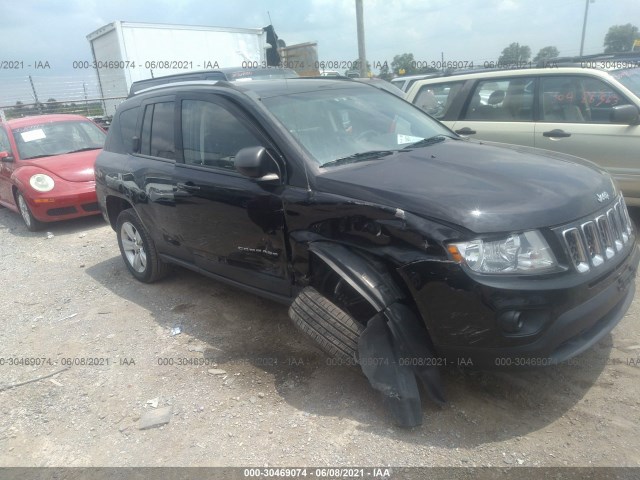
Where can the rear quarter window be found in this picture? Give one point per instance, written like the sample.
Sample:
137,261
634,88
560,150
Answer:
436,99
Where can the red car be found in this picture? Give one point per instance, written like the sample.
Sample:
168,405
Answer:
46,167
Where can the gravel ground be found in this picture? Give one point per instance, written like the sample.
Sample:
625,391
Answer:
239,386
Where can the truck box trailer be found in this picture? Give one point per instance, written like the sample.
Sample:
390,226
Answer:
124,52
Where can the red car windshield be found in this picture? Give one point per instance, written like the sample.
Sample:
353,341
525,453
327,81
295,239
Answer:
57,138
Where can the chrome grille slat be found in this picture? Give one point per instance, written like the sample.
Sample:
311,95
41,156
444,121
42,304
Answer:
576,249
605,235
592,239
622,219
598,239
615,228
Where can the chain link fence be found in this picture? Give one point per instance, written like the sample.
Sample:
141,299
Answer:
22,96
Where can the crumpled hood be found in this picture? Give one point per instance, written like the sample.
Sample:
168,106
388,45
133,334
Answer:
479,186
73,167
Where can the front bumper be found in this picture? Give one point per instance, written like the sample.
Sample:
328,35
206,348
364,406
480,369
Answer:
77,201
560,318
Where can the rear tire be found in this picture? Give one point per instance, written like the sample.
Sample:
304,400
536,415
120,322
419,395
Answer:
138,249
335,331
30,221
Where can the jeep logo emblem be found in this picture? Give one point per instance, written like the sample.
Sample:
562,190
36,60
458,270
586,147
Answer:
602,196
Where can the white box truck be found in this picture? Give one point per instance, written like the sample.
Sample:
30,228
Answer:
124,52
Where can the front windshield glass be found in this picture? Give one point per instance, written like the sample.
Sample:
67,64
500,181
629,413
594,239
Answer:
629,77
57,138
341,123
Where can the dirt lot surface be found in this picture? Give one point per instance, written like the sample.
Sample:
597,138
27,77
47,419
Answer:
241,387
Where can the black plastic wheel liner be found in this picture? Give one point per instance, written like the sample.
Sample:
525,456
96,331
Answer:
393,350
378,360
414,346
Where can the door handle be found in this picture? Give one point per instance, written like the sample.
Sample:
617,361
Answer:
557,133
465,131
188,187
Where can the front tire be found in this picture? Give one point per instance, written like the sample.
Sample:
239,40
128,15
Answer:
334,330
138,249
30,221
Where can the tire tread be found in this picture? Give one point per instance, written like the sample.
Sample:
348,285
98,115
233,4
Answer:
335,331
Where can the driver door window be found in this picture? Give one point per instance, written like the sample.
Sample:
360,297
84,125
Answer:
577,99
211,135
5,146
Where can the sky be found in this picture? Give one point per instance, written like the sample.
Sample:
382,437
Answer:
55,31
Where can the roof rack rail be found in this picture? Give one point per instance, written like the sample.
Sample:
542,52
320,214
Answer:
176,84
578,59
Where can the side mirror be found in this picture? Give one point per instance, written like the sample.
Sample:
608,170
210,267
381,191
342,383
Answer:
625,114
135,144
259,164
6,157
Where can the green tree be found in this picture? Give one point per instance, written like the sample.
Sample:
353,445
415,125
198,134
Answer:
385,73
620,38
515,53
403,64
52,105
546,53
427,70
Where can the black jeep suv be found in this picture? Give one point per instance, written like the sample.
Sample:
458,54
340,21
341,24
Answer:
399,246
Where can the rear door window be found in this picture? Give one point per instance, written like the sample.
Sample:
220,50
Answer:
157,139
502,100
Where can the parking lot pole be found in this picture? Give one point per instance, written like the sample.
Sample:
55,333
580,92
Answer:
362,56
584,23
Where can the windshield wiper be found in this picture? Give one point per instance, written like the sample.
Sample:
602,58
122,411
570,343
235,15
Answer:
359,157
43,155
425,142
84,149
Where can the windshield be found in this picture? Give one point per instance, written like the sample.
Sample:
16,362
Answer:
57,138
338,123
629,77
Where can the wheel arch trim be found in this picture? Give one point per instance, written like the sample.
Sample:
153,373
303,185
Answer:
372,281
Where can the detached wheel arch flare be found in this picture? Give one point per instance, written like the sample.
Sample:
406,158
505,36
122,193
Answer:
370,279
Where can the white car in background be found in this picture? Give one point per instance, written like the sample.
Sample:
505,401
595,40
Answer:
404,83
575,108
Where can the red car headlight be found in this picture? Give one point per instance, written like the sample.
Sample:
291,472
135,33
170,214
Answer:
41,182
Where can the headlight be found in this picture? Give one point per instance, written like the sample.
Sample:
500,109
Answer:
41,182
526,252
